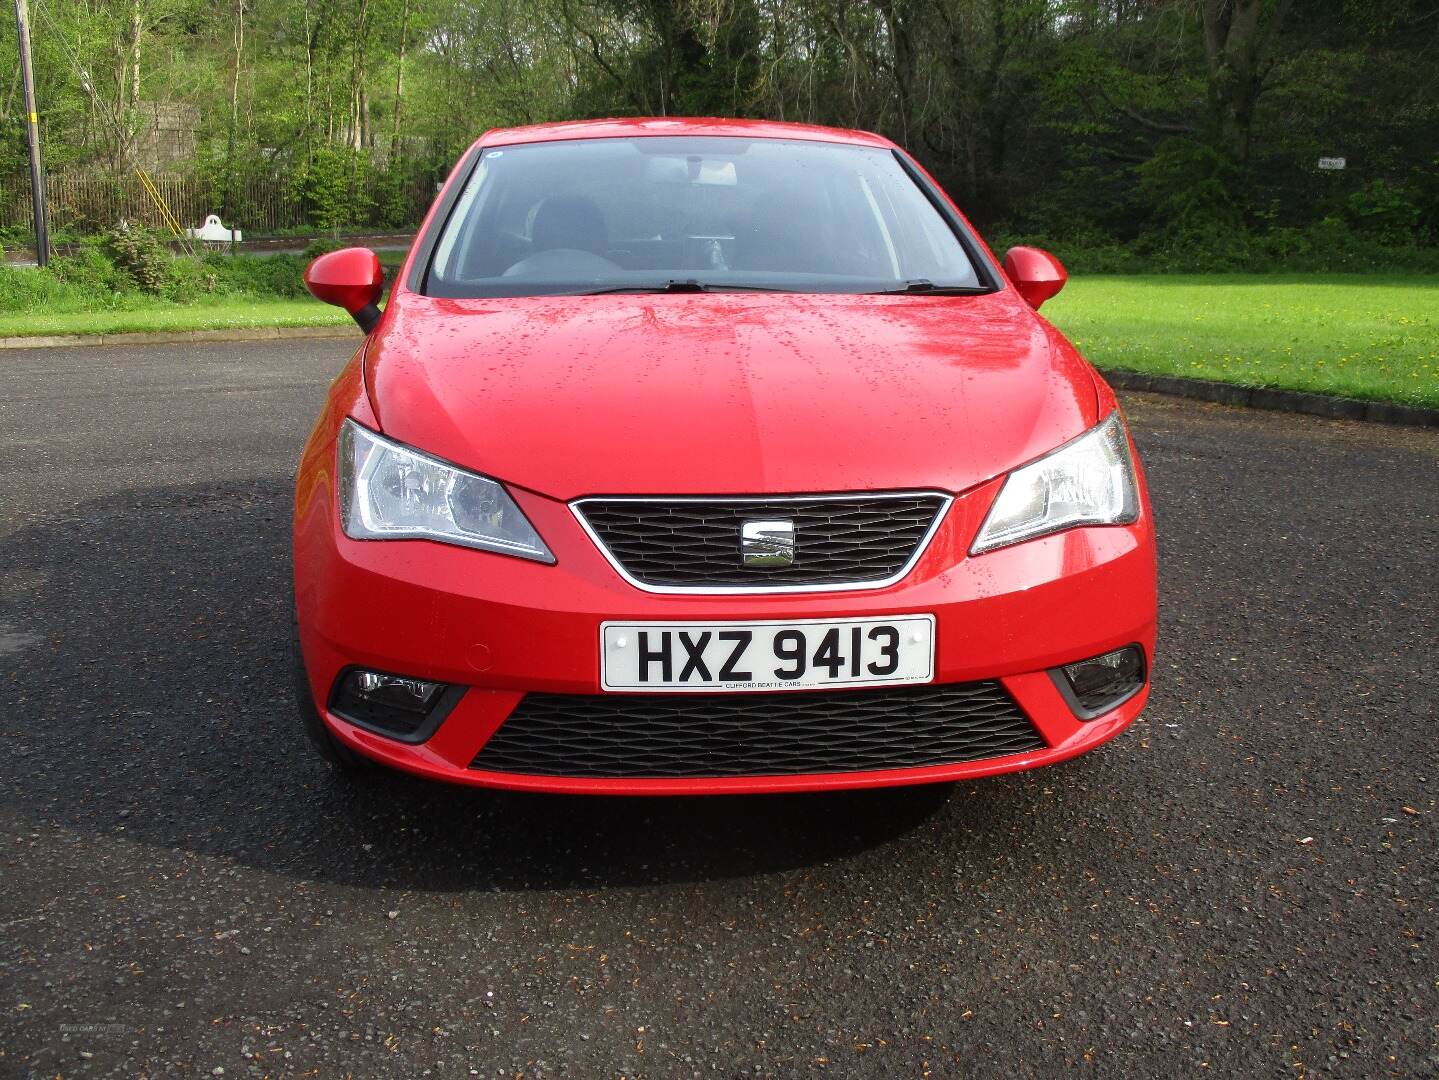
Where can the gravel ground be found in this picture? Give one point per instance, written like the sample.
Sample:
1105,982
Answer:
1242,885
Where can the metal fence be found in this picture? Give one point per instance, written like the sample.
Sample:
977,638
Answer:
258,205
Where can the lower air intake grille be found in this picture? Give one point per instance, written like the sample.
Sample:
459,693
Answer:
700,735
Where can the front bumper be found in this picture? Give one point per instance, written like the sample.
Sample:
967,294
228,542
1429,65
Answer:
503,627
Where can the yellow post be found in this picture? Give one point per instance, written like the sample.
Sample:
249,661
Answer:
165,214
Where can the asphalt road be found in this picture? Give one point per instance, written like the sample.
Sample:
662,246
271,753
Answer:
1245,884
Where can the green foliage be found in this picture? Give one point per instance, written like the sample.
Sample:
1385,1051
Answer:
268,276
31,290
1424,188
323,245
91,270
1384,210
1328,246
393,201
1190,185
92,279
328,190
189,280
23,235
1081,252
1127,124
139,253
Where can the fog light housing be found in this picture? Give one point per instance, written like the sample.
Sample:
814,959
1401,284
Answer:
1094,686
399,706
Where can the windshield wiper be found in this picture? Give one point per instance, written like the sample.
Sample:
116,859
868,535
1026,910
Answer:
680,285
929,288
692,285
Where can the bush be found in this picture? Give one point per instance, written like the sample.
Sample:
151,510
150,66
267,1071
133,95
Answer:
91,270
189,279
30,289
322,245
1328,246
1207,248
1092,251
1384,210
1189,185
326,187
394,206
263,275
138,252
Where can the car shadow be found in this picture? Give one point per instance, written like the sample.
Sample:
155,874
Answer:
144,690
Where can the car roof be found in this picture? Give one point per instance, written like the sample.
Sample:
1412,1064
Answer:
677,125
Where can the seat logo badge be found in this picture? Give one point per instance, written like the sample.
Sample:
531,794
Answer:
767,543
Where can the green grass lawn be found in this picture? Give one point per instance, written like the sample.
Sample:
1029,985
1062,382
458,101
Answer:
1351,335
156,315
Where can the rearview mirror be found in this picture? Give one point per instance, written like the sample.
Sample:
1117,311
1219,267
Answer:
1037,274
350,278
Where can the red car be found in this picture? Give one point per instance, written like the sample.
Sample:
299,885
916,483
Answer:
713,456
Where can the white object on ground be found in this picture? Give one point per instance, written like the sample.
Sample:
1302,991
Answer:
213,232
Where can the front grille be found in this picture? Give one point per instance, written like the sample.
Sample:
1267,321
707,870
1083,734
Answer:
695,543
757,734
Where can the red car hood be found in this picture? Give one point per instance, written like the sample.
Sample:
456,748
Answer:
727,393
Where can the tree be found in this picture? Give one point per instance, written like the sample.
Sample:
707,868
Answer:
1239,40
1111,117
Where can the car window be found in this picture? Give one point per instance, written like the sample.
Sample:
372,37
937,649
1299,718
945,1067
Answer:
598,214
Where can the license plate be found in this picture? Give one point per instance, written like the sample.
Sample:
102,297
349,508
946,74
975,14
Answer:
803,654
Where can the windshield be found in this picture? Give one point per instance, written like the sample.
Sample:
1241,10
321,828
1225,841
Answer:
597,215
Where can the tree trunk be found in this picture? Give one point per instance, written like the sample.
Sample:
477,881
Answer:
127,87
235,75
309,82
396,154
136,28
1236,41
227,207
359,106
896,19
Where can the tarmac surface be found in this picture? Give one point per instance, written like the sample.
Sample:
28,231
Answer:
1244,884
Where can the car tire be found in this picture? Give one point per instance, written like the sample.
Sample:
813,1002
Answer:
335,753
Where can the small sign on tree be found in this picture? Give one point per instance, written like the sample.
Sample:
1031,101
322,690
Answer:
1332,164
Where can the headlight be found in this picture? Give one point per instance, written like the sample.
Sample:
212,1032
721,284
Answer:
1087,481
390,492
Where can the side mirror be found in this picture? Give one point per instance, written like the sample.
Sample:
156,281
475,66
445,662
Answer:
350,278
1037,274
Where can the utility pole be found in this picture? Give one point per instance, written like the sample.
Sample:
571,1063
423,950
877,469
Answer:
32,136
